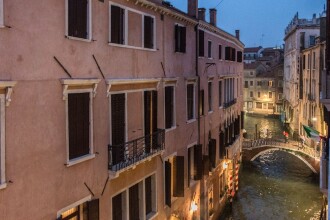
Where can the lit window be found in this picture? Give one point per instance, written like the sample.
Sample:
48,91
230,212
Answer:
85,209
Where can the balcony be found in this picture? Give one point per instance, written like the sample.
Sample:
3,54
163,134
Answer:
129,154
230,103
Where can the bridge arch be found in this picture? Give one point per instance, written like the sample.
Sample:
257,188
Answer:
290,152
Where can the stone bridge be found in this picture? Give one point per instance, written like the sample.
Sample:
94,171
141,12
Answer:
254,148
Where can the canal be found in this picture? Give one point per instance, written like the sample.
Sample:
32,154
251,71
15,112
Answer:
277,185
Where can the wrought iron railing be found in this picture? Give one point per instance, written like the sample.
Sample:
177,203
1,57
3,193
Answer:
129,153
230,103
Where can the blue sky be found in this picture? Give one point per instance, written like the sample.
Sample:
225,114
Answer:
261,22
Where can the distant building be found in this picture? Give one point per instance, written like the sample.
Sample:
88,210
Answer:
299,34
251,54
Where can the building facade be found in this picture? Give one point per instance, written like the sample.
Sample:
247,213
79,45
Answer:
117,110
299,34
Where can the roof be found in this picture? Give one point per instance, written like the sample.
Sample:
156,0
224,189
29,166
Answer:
252,49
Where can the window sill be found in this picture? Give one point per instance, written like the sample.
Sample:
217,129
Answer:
221,107
80,160
131,47
170,129
79,39
3,185
210,58
210,112
191,121
179,52
152,215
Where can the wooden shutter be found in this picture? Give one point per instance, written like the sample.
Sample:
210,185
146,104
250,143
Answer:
221,145
206,164
168,183
117,209
201,43
177,38
233,54
117,25
198,163
148,195
148,32
220,52
77,18
201,102
227,53
93,209
118,126
154,111
169,107
212,151
134,202
242,120
78,112
178,176
183,39
190,101
147,119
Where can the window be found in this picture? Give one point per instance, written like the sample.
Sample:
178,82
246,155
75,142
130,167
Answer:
270,83
251,83
258,83
270,105
209,49
1,14
246,84
227,53
270,95
195,164
117,21
222,184
209,89
233,54
239,56
251,94
280,72
174,178
280,83
201,43
304,62
148,32
258,94
169,107
190,101
259,105
308,61
210,200
280,96
312,40
79,118
201,102
314,61
85,209
220,94
138,201
79,19
2,142
180,39
220,52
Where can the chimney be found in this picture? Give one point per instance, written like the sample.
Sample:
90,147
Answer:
193,8
213,16
201,14
237,34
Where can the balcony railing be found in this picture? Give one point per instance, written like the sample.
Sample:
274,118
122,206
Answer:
127,154
230,103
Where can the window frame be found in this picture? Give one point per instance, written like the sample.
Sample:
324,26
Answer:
2,15
125,190
182,47
89,22
3,183
73,205
194,102
69,86
174,107
125,44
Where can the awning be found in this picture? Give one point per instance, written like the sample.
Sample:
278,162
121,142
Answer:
311,133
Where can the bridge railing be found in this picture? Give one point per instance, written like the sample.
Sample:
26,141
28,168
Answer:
280,142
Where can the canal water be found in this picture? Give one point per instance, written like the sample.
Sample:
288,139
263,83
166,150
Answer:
277,185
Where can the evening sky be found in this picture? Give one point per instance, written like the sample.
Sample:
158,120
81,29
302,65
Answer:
261,22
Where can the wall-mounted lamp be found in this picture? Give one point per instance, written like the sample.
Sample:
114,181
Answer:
225,165
193,206
314,119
